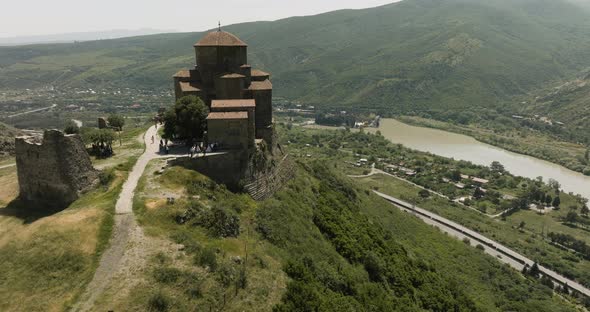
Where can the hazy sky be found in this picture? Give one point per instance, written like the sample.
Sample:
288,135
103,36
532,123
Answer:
41,17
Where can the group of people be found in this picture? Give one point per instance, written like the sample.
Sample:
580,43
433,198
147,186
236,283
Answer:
196,149
201,147
102,150
164,149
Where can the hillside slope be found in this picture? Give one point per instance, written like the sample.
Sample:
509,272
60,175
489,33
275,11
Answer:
323,243
567,102
411,55
7,135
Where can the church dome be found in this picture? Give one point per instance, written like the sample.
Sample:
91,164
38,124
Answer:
220,38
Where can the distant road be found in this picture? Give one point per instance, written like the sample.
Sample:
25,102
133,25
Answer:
503,253
33,111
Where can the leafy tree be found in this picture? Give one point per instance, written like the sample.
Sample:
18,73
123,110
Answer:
101,140
546,280
585,210
534,271
456,175
497,166
565,289
191,114
572,217
103,137
71,128
554,184
478,193
556,201
548,199
116,121
424,193
169,124
521,225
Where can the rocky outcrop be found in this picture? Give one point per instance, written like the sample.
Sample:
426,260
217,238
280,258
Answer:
54,171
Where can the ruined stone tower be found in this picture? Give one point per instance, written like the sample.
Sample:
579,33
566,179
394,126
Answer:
55,171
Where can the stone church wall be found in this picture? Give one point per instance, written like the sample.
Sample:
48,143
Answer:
227,168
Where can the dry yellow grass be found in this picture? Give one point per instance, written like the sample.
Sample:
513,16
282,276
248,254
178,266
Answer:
48,258
8,185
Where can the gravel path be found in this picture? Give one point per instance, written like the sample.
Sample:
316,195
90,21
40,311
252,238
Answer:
125,250
125,202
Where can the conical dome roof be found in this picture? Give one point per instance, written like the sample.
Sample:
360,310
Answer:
220,38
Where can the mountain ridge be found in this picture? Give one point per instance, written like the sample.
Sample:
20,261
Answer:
407,56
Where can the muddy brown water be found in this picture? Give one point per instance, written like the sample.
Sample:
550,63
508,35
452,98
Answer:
464,147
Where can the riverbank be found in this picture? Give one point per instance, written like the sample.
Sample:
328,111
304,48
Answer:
463,147
522,141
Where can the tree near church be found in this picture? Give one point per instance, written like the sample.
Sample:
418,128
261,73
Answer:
169,120
187,119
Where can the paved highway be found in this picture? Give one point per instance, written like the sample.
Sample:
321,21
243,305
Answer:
491,247
33,111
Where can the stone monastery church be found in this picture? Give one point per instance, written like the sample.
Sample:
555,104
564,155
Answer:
239,97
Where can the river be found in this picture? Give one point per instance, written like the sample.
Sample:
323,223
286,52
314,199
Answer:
464,147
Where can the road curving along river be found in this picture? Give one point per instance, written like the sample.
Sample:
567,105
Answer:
463,147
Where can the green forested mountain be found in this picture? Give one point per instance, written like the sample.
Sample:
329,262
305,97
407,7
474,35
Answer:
566,101
410,55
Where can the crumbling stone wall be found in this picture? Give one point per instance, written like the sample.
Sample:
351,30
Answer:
102,123
55,171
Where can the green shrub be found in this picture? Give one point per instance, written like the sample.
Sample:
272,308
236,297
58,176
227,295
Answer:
167,275
105,177
222,223
194,291
226,275
191,245
207,258
242,279
159,302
